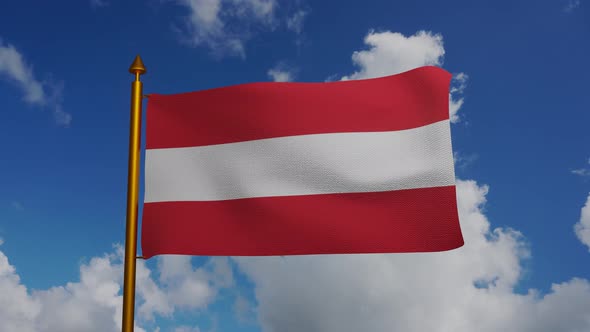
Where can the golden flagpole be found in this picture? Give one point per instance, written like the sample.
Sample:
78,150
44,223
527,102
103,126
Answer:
137,68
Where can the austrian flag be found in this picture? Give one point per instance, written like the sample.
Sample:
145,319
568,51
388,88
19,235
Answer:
257,169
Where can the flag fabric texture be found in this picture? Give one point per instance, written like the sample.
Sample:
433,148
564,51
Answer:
257,169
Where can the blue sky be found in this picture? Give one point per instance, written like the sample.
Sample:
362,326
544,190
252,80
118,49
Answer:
520,105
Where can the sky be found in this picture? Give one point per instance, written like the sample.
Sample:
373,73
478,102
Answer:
519,103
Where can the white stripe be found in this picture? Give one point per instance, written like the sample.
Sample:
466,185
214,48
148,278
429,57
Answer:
303,165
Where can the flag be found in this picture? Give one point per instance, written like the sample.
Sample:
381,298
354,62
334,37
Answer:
362,166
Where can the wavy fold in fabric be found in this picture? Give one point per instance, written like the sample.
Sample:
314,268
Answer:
261,169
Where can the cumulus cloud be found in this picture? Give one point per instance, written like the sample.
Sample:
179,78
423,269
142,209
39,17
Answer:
471,288
94,302
17,308
467,289
185,287
223,25
582,228
392,53
14,68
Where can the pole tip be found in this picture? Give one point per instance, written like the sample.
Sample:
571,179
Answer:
137,66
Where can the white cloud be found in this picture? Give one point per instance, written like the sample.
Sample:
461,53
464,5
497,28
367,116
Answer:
295,21
94,302
279,75
244,310
583,171
582,228
392,53
15,69
458,85
13,66
262,9
155,299
282,72
571,6
471,288
61,118
17,309
187,287
223,25
467,289
462,160
221,272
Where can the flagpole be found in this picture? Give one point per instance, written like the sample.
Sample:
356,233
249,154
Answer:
137,68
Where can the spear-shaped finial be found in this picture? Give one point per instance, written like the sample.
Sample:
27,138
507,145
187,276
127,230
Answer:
137,66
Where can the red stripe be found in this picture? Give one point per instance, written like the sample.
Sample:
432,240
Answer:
265,110
415,220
